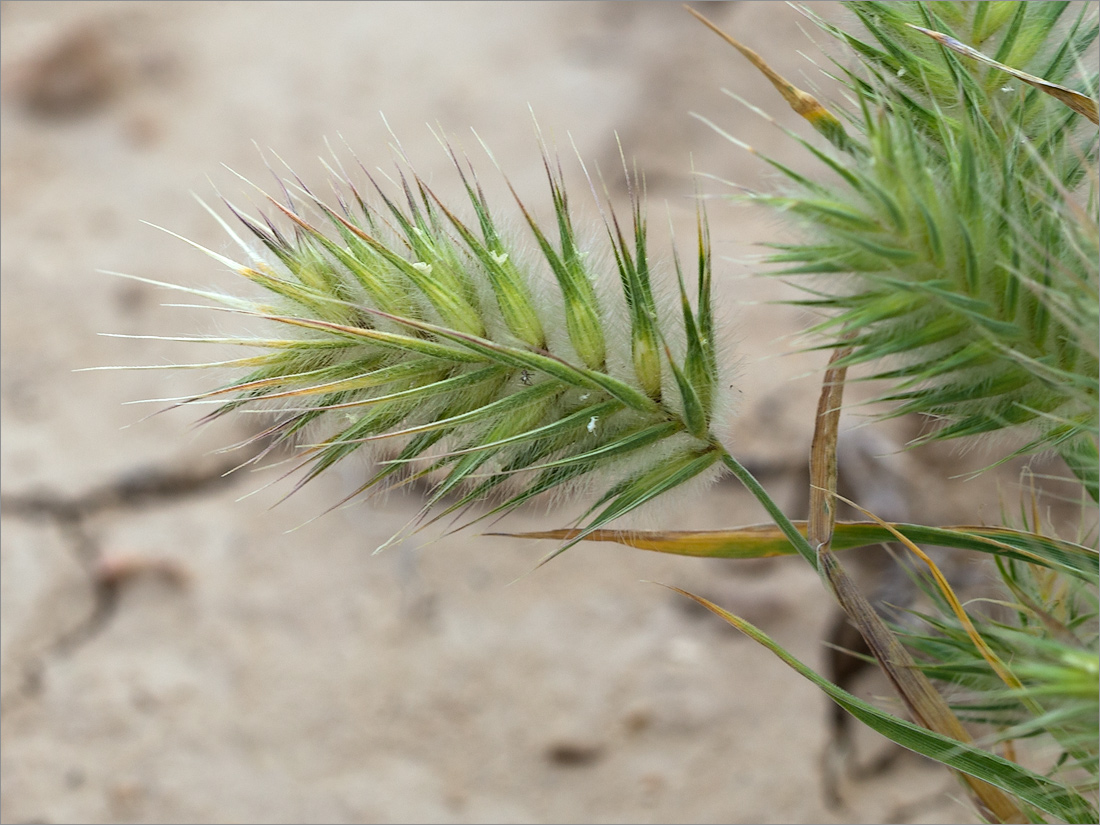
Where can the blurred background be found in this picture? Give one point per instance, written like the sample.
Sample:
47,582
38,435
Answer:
172,651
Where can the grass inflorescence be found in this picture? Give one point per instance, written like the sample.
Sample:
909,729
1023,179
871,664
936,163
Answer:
960,236
489,361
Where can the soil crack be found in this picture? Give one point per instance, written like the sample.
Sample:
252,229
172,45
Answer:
70,514
148,485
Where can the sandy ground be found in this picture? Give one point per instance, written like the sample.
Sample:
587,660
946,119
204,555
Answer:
173,654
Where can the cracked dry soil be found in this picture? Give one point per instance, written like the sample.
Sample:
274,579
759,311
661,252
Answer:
105,575
174,652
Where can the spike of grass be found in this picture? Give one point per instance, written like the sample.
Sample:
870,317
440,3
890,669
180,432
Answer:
417,331
932,210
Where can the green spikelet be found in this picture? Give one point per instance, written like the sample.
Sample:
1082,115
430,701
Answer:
582,307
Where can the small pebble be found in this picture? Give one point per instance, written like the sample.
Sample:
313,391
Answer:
573,752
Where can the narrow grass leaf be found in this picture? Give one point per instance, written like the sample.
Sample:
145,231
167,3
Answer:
759,541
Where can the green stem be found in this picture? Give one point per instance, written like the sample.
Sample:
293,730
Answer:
781,521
